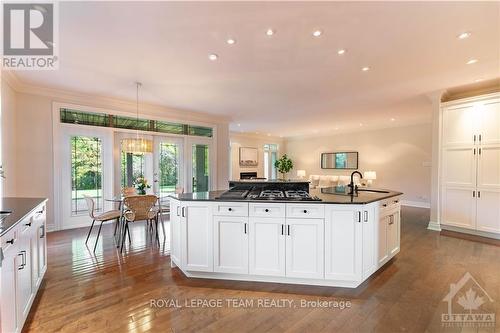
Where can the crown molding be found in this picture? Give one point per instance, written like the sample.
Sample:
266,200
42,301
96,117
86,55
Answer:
61,95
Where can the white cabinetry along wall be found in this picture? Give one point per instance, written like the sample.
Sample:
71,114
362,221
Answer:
319,244
470,165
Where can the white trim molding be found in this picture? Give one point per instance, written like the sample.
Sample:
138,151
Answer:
435,226
418,204
471,232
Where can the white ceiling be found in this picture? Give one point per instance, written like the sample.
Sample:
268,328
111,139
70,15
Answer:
287,84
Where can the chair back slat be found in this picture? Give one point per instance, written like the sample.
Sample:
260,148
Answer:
139,207
128,191
90,205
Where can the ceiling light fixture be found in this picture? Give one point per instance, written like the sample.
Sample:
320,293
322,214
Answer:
231,41
464,35
472,61
341,51
317,33
270,32
392,119
360,124
478,80
365,69
238,125
137,145
213,56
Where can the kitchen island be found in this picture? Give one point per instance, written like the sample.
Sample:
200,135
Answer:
23,258
330,239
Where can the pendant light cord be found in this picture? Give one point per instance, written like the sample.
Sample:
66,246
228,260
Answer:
138,84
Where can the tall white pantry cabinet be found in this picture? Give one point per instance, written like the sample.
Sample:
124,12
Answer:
470,165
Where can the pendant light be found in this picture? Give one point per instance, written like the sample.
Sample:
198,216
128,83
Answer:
137,145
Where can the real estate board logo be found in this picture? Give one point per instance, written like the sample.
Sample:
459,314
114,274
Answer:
469,305
29,36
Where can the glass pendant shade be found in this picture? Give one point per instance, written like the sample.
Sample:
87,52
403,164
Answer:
137,146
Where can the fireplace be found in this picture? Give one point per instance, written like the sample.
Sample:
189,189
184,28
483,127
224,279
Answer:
248,175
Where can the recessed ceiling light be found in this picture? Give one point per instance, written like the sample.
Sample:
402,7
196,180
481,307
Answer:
341,51
365,69
238,125
478,80
281,136
213,56
336,128
393,119
268,134
464,35
270,32
472,61
360,124
317,33
231,41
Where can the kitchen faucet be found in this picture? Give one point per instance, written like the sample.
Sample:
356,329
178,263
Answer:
354,188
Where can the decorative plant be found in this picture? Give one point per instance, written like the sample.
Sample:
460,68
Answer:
2,174
141,184
283,165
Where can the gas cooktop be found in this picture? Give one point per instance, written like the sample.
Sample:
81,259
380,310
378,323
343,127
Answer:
269,194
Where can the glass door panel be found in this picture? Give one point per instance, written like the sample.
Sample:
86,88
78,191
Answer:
200,167
168,176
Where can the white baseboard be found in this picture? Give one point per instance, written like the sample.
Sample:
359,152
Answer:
418,204
471,232
435,226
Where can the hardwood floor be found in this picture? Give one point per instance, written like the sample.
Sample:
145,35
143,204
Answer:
109,292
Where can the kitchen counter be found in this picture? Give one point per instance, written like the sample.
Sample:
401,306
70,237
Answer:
20,207
361,198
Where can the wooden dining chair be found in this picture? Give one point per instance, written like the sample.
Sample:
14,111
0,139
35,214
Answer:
139,208
106,216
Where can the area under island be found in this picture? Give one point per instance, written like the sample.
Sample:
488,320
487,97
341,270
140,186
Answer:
283,232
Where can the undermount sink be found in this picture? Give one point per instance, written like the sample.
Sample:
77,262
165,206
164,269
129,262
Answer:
370,190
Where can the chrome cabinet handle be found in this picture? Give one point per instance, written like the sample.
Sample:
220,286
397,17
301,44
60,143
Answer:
282,229
245,228
366,215
178,207
183,211
288,230
359,216
43,231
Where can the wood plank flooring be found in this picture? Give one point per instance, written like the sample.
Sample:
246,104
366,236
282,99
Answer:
109,292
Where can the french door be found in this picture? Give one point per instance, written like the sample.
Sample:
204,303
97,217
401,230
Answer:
200,168
86,166
168,156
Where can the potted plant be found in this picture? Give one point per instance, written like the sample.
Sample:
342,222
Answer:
2,174
283,165
141,184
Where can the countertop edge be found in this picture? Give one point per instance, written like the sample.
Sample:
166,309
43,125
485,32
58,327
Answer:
13,225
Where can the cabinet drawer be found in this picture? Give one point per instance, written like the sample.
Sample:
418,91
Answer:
267,209
305,211
390,203
231,209
9,239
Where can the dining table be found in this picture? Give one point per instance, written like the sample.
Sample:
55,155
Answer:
163,200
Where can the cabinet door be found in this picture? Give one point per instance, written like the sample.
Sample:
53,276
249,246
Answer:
24,275
305,248
488,172
175,231
393,225
459,125
267,246
343,237
196,235
459,166
383,252
42,250
489,113
231,244
459,207
369,233
488,211
8,304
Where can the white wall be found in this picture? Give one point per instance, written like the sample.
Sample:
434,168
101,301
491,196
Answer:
8,140
401,157
241,140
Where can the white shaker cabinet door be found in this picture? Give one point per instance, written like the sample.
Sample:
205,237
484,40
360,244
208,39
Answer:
488,211
267,246
197,237
231,244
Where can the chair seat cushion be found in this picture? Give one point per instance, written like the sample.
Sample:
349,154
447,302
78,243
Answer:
109,215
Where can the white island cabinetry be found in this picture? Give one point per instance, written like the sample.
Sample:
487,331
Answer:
301,243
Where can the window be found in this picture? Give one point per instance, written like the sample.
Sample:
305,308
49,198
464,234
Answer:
169,155
200,169
86,173
69,116
132,166
270,157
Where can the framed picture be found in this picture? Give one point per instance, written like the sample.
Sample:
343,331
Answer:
249,156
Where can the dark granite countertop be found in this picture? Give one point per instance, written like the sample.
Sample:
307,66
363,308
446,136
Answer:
360,199
20,207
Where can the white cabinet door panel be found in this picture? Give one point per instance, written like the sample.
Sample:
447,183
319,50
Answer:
343,237
231,244
488,211
488,175
459,207
382,240
267,246
304,248
459,167
393,230
369,240
196,234
489,113
10,264
459,125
